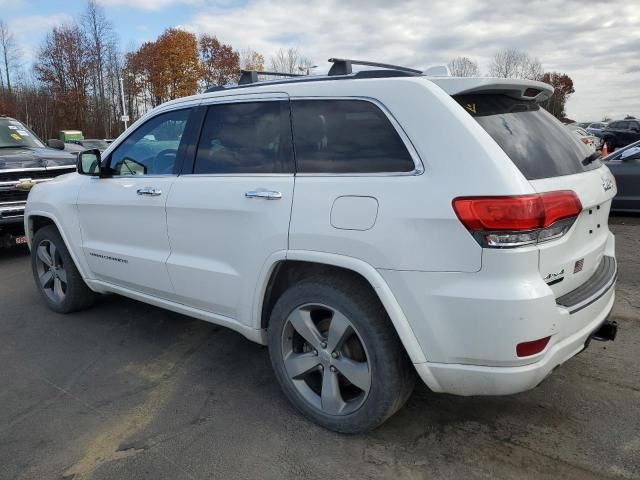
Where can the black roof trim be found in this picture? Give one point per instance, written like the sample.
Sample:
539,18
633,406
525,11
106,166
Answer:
251,76
340,70
343,66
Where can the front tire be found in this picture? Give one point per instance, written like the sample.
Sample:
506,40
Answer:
336,354
56,275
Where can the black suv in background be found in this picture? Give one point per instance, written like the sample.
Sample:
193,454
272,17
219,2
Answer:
24,161
621,133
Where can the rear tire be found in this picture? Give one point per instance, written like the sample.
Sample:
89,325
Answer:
56,275
336,354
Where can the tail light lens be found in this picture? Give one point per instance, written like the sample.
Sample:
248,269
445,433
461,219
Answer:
513,221
585,141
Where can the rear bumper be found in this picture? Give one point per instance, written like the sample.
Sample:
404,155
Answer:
469,324
480,380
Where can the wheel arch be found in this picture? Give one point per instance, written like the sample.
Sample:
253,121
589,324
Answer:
35,220
300,264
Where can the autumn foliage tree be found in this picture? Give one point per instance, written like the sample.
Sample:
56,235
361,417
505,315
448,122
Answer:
219,62
563,88
163,70
251,60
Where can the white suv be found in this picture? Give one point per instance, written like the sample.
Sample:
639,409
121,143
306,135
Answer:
365,226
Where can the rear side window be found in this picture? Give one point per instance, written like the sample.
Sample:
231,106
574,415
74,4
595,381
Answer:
346,136
252,137
537,143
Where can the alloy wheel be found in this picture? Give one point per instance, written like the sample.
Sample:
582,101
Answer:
326,359
52,274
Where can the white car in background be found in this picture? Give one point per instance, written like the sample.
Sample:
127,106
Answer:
591,141
365,226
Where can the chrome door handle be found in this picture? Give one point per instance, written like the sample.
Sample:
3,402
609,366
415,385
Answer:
266,194
149,191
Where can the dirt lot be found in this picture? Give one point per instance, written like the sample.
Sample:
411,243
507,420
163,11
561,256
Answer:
129,391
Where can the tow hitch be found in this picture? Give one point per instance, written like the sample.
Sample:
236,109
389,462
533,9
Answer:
607,331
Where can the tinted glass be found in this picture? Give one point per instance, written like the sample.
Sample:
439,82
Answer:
346,136
253,137
618,125
537,143
152,148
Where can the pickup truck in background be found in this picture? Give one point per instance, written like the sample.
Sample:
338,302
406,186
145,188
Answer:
24,161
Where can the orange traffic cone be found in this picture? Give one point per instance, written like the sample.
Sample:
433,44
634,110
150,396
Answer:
605,150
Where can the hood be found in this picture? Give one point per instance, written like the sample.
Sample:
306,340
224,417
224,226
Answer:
11,158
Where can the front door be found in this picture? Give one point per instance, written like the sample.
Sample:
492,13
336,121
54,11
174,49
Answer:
122,217
230,212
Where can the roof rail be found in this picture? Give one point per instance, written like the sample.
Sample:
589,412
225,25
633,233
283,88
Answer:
342,66
251,76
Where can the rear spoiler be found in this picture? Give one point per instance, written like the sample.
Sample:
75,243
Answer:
520,89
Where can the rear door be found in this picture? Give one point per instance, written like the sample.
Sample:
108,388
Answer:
553,159
229,211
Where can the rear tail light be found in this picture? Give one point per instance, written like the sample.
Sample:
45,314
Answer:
585,141
526,349
514,221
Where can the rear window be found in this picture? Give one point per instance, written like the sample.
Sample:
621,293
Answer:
537,143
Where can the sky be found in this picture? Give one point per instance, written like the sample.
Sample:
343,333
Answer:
597,43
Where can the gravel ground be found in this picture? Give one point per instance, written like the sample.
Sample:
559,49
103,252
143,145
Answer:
129,391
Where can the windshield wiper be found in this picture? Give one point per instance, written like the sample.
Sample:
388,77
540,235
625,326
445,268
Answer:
591,158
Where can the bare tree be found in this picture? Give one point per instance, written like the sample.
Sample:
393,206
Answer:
102,44
514,63
305,64
286,61
9,51
463,67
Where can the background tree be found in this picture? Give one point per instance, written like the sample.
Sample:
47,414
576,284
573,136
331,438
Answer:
251,60
174,69
285,61
102,45
514,63
9,52
63,66
563,88
219,63
463,67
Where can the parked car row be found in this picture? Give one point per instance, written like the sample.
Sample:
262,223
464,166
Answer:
615,134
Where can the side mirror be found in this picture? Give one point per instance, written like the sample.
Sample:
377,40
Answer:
89,162
55,143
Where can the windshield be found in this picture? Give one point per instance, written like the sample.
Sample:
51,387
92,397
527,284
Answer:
538,144
15,134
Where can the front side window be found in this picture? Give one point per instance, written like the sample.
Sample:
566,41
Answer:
245,138
152,149
346,136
